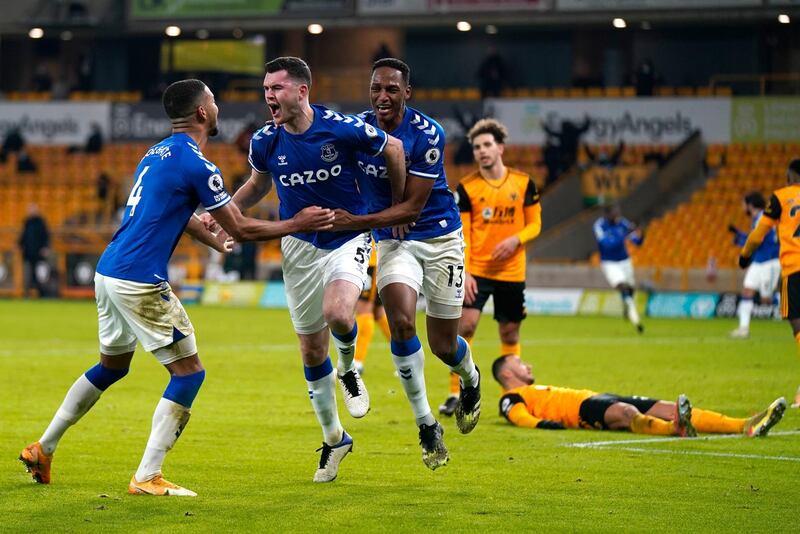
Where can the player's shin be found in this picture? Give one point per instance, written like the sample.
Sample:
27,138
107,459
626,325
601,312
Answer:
630,307
409,359
713,422
345,348
646,424
169,419
744,311
455,379
322,392
463,364
83,394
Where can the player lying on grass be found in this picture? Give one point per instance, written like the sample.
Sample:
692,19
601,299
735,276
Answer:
551,407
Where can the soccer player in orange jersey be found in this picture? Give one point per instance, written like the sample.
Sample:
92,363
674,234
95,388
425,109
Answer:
550,407
783,213
500,212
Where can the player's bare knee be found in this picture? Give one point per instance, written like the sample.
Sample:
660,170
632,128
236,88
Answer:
402,327
341,323
185,366
509,333
628,412
467,329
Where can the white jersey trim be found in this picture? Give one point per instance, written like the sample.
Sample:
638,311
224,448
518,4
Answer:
423,174
219,204
383,146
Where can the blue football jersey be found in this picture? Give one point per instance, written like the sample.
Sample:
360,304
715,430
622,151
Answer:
611,237
423,142
172,179
317,167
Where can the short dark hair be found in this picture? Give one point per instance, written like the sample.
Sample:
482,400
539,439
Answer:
755,199
296,68
794,166
490,126
181,98
498,364
396,64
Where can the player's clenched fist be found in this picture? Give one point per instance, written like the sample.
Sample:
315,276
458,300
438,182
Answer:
745,261
313,219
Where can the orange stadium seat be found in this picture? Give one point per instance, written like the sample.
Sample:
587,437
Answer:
739,168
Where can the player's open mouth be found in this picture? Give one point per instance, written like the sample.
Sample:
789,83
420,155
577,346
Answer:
383,109
275,109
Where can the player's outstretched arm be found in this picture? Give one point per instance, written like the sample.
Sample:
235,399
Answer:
253,190
520,416
218,241
417,192
754,241
241,228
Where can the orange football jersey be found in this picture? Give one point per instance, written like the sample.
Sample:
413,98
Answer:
783,211
495,211
545,402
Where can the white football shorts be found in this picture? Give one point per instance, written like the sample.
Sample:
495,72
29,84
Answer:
308,269
433,267
618,272
127,311
763,277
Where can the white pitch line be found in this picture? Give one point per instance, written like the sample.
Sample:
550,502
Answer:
614,444
601,444
708,453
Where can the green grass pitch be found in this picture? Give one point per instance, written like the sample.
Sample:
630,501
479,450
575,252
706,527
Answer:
249,448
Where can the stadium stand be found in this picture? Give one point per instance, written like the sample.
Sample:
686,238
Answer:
697,230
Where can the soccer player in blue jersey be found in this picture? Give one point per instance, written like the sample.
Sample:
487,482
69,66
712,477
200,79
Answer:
134,298
763,274
426,258
612,231
310,153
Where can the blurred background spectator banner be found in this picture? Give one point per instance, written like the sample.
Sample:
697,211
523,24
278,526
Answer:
547,301
635,121
144,121
51,123
765,119
233,294
596,5
601,184
391,7
223,55
694,305
163,9
149,9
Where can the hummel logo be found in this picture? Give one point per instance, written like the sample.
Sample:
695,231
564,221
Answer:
282,160
405,374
